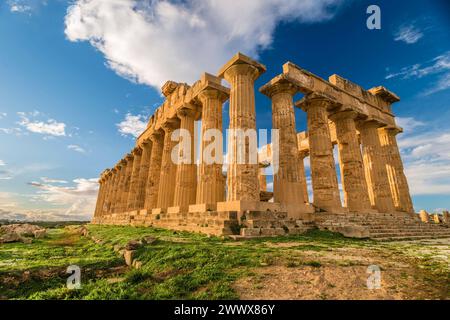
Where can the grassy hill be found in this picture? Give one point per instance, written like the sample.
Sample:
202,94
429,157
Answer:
181,265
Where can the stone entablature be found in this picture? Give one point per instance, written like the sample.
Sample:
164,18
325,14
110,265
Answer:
147,186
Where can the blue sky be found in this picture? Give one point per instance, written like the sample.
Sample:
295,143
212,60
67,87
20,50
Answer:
78,80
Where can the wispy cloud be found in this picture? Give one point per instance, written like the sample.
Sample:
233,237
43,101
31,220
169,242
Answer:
438,66
136,36
25,6
76,148
69,202
426,156
48,180
3,115
50,127
132,125
408,33
2,163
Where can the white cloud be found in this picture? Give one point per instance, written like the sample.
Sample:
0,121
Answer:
2,163
14,7
439,66
426,156
75,201
76,148
408,124
50,128
151,42
409,34
25,6
15,131
3,115
132,125
48,180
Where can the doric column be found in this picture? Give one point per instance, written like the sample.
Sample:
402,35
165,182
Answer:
168,167
323,169
100,196
186,174
143,174
132,194
287,187
211,183
375,168
241,72
119,186
154,172
354,183
126,182
302,174
107,186
111,185
395,171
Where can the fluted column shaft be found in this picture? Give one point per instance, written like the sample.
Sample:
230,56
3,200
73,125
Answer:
323,169
375,169
154,172
287,187
302,174
104,207
242,178
186,174
394,165
111,186
132,194
119,187
143,174
354,183
168,168
100,198
211,183
126,183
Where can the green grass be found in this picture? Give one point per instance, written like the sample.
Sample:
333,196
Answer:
179,265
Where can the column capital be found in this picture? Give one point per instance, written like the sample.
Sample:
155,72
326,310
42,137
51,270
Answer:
188,110
241,64
156,136
170,125
317,100
143,143
214,93
129,157
369,123
343,114
278,85
136,151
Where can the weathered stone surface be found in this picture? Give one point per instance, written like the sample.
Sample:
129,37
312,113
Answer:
376,174
21,233
128,255
133,245
356,196
287,183
424,216
242,179
323,170
147,188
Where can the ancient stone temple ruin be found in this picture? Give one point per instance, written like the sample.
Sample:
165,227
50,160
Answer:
148,188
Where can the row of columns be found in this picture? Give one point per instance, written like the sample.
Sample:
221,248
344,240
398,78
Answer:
372,172
148,178
371,169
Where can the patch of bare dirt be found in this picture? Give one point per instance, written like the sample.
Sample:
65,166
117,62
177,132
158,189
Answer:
329,282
